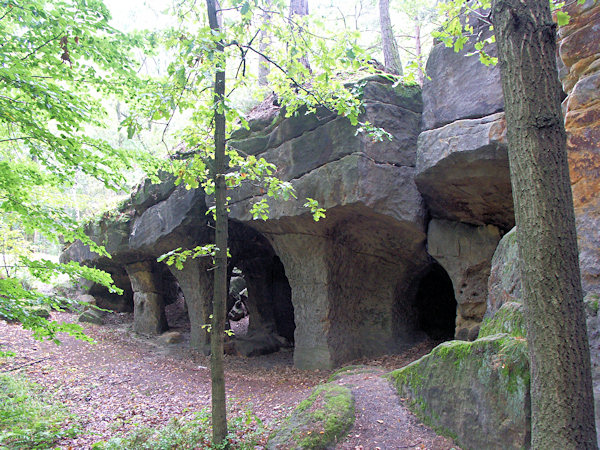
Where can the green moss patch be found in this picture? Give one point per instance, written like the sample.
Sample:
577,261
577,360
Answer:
319,421
509,319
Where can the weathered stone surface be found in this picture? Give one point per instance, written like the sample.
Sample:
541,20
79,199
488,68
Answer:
197,285
578,49
463,174
459,87
149,307
86,299
472,392
257,343
148,193
171,223
504,283
352,180
465,251
170,337
92,316
579,39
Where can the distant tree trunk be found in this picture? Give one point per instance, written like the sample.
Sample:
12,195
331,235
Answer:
562,403
264,41
419,54
391,57
300,8
217,373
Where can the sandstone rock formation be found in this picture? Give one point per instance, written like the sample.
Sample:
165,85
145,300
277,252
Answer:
357,283
580,75
411,226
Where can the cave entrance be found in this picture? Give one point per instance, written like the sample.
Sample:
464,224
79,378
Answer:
237,303
283,309
270,321
435,304
260,298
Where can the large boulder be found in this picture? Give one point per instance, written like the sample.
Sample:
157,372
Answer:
476,392
459,86
463,173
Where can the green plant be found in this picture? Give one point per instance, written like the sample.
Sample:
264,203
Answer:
28,418
245,432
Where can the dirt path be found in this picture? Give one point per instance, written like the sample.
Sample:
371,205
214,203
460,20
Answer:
382,421
124,381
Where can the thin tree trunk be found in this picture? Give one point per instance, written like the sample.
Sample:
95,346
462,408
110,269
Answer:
217,373
391,57
562,404
264,41
419,53
299,8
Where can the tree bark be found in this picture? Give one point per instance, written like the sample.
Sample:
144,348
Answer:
419,53
391,57
264,41
299,8
217,373
562,404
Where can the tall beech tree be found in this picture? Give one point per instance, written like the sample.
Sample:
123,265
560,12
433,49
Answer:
562,403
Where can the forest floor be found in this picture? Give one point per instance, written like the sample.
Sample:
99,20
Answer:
124,380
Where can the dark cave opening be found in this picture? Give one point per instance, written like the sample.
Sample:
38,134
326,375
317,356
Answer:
436,304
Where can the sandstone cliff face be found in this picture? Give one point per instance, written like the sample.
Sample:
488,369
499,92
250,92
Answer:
580,75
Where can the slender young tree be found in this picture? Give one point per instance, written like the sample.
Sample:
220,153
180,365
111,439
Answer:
391,56
562,405
217,372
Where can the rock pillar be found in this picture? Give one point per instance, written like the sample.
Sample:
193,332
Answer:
307,274
149,309
196,282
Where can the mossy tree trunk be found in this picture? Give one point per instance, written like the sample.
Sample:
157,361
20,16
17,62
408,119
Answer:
561,384
217,373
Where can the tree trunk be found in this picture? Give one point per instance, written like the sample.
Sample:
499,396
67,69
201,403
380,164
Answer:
391,57
299,8
419,54
217,373
263,44
562,404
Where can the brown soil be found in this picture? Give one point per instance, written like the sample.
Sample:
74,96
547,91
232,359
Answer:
125,380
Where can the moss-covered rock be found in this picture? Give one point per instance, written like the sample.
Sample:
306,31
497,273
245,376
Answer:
475,392
318,422
349,370
92,316
508,319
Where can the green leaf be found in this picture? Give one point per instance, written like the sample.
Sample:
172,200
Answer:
562,18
